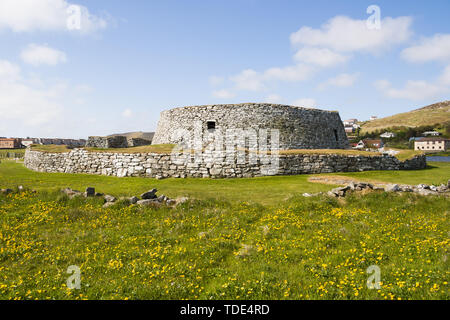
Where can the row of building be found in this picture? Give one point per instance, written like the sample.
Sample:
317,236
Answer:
430,144
17,143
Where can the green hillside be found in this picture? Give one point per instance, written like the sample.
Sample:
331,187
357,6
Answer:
438,113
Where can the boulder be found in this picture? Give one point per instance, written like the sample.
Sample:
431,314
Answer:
109,198
340,192
149,203
151,194
133,200
332,194
90,192
392,188
162,198
425,192
406,189
171,202
181,200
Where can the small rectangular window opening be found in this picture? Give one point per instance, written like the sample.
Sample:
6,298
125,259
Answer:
211,125
336,135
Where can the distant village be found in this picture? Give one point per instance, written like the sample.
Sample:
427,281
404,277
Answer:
428,141
18,143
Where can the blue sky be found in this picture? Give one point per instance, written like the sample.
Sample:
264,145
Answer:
131,60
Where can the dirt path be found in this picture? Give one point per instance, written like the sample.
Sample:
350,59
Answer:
340,180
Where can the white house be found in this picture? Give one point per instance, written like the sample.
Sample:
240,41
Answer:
431,133
432,144
387,135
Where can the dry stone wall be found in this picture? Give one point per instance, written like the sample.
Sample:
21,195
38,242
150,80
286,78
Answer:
165,166
299,128
107,142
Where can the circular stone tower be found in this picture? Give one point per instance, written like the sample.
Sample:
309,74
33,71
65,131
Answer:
299,128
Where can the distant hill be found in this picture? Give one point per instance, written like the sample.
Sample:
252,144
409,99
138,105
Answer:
137,134
438,113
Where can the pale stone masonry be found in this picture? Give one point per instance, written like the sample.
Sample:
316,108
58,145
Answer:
432,144
299,128
163,166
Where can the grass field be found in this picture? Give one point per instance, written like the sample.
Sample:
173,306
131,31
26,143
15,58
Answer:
264,190
12,153
241,239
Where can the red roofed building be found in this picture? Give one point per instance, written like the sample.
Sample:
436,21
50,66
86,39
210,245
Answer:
12,143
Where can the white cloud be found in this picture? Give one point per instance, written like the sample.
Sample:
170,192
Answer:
322,48
21,103
252,80
413,90
294,73
127,113
305,102
41,54
322,57
45,15
445,77
273,98
344,34
344,80
248,80
8,72
223,94
436,48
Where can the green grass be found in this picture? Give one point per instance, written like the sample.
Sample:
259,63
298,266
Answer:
242,239
302,249
17,153
436,173
403,154
264,190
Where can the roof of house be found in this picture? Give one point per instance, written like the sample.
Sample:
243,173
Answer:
432,139
372,141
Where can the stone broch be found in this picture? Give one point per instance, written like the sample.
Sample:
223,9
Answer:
299,128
